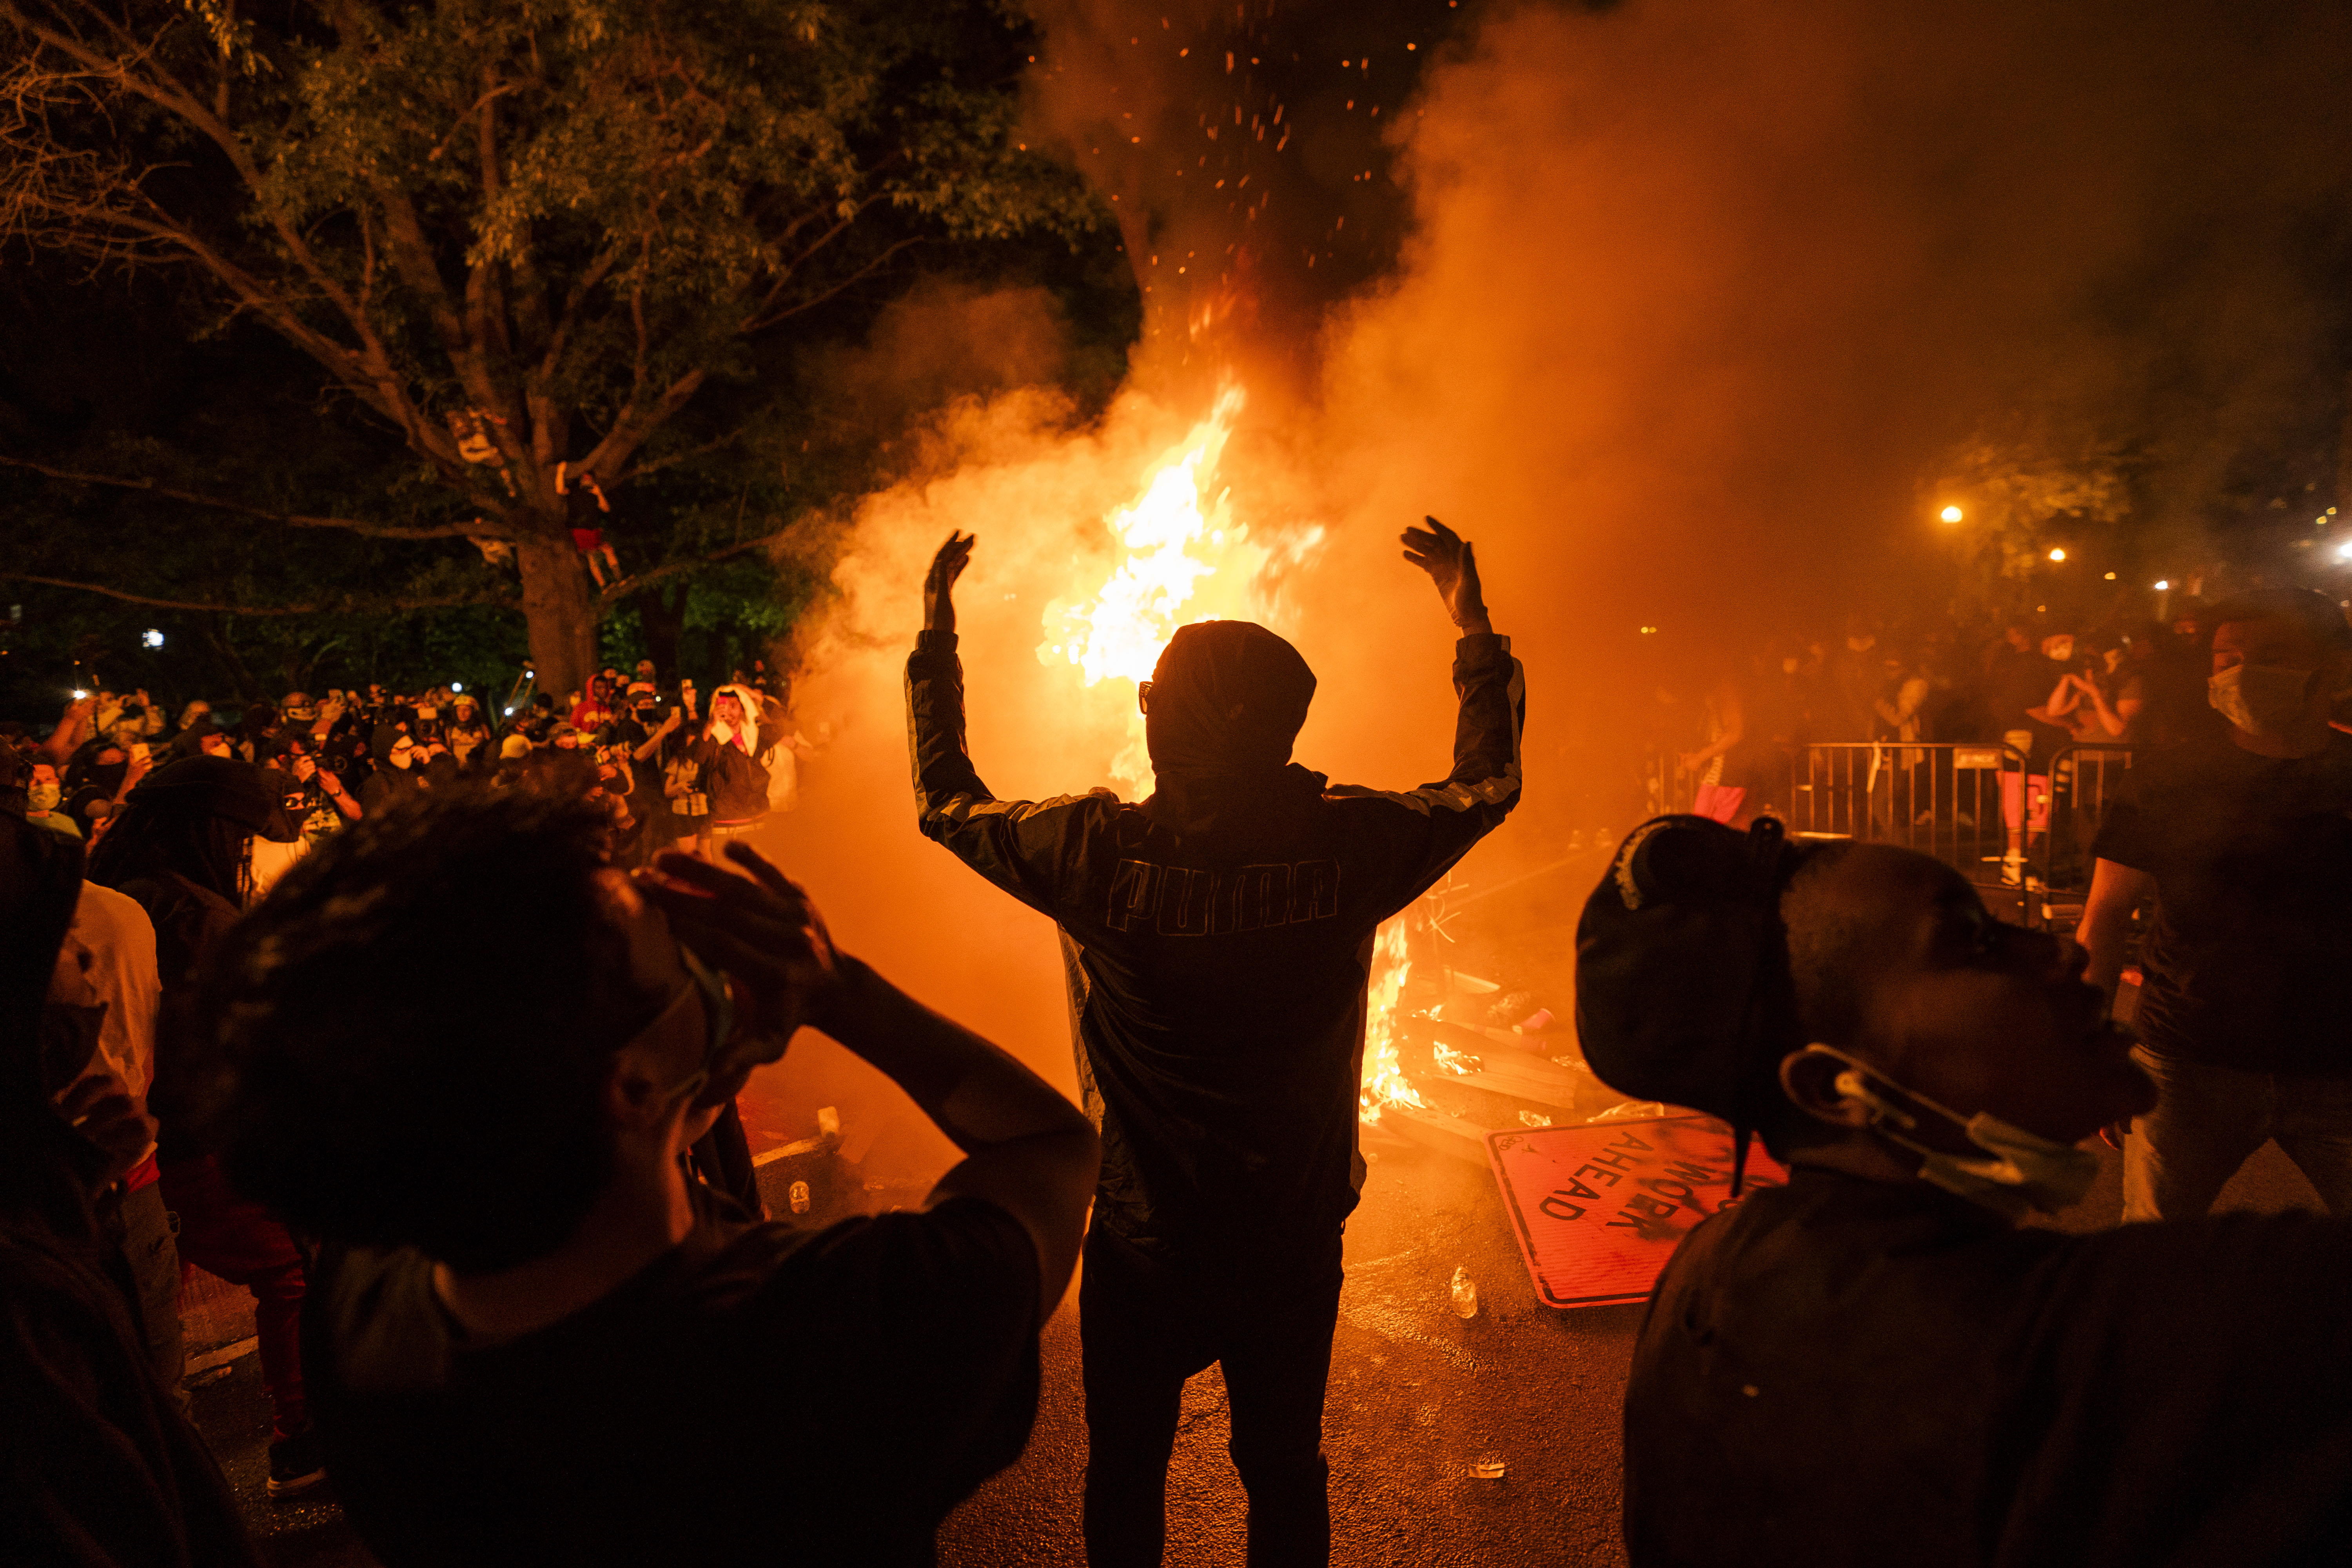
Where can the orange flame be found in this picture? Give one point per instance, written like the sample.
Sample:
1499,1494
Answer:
1181,556
1384,1083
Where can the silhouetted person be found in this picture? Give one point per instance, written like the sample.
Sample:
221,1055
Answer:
2241,838
539,1340
1876,1363
101,1467
182,849
1220,935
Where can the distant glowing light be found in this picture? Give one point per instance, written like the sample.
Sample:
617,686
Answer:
2344,551
1951,514
1649,631
79,695
2163,585
2111,576
152,637
460,685
2056,553
510,712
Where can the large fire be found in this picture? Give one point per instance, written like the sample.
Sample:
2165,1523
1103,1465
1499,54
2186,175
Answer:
1181,554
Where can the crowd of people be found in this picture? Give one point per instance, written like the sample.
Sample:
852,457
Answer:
1741,742
445,1099
668,772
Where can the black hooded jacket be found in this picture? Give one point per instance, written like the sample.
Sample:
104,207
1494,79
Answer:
1220,935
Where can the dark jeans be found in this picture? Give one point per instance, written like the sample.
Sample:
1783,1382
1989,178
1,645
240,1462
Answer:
227,1234
1145,1327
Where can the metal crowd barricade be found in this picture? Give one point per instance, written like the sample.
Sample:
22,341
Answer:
2083,780
1940,798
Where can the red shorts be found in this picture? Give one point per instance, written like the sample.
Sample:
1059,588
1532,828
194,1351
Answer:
587,541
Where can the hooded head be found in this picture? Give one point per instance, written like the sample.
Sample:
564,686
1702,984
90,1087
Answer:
192,817
1682,986
1225,703
1226,697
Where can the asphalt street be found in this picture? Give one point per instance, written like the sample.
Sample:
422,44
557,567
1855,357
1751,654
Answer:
1418,1394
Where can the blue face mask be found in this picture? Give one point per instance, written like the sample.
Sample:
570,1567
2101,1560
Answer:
2260,698
2019,1169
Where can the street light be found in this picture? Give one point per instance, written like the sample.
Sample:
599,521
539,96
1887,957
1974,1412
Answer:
152,637
1951,514
2163,585
2056,553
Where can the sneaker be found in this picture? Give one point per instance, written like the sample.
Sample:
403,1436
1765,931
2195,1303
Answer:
295,1464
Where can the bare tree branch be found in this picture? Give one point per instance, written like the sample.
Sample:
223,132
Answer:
630,584
348,607
480,529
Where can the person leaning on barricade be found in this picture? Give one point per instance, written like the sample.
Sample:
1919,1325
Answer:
535,1339
1876,1363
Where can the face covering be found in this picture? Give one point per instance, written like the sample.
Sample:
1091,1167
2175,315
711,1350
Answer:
2021,1170
2260,698
43,796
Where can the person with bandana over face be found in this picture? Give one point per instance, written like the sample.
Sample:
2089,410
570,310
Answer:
182,849
399,770
2243,844
1878,1363
733,753
1218,937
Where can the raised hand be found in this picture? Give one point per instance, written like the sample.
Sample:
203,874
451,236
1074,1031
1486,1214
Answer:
1451,564
939,583
757,926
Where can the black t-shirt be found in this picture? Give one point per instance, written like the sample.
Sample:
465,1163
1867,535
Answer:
2249,962
1842,1372
757,1394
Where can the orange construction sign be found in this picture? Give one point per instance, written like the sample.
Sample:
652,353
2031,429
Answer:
1599,1208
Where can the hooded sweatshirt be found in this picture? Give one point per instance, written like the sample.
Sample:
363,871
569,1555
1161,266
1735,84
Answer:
734,758
1219,936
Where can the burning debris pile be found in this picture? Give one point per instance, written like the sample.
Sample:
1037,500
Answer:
1449,1055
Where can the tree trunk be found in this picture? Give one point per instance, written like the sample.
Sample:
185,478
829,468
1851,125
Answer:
555,607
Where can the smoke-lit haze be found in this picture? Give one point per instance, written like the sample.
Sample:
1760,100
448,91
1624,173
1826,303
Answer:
1691,299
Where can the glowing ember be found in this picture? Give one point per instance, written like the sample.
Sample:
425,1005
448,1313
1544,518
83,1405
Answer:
1181,557
1384,1081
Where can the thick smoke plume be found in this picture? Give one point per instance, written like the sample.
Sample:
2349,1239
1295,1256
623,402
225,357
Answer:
1694,298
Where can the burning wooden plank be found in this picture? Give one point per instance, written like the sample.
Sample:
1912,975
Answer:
1525,1076
1456,1135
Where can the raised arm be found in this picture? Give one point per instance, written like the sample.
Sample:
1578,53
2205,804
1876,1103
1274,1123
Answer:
1029,848
1415,834
1027,1149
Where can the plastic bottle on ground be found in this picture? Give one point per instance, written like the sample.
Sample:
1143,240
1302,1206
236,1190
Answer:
1465,1294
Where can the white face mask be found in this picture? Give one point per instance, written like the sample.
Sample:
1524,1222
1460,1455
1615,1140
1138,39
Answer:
2022,1170
43,796
2260,698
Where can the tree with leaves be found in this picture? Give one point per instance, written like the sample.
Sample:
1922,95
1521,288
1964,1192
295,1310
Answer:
525,237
